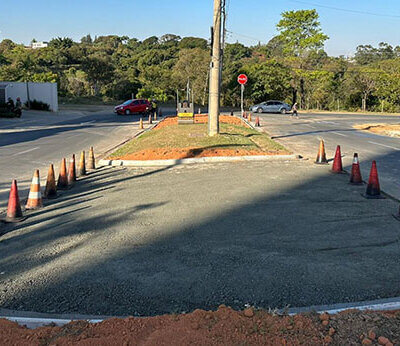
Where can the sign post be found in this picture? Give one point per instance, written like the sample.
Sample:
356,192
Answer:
242,80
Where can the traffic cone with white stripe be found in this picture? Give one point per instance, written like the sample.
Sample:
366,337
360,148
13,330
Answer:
35,195
51,189
82,165
72,172
91,161
258,122
355,176
62,183
14,211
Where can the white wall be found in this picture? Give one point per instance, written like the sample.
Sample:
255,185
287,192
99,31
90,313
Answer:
45,92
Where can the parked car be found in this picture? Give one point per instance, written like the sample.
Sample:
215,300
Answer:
133,107
271,107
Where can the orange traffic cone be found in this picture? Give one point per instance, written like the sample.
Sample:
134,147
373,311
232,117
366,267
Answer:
337,162
155,116
373,188
82,165
321,158
35,196
62,182
51,190
249,117
258,121
141,123
355,176
14,211
91,162
72,172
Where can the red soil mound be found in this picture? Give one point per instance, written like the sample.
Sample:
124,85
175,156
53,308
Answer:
185,153
201,119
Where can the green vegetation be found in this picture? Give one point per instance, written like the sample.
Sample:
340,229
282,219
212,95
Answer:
292,67
195,136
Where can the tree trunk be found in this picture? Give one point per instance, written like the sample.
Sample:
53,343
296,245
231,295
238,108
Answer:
364,104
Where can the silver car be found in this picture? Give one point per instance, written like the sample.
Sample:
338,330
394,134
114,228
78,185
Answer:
271,107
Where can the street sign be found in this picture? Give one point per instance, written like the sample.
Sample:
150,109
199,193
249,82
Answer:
242,79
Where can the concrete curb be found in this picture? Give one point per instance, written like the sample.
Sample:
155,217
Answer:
214,159
388,304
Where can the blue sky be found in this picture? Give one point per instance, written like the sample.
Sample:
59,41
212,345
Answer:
249,20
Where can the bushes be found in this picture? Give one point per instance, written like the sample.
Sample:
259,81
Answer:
37,105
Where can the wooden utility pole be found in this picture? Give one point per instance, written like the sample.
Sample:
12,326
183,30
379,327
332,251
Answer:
215,76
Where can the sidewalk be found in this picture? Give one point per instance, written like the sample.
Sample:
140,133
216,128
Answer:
154,241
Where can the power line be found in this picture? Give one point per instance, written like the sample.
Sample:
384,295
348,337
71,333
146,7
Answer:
346,10
244,36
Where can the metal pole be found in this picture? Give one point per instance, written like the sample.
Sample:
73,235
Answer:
213,125
241,98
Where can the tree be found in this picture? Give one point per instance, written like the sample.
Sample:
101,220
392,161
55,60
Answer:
300,31
193,42
87,39
61,43
192,65
267,80
363,81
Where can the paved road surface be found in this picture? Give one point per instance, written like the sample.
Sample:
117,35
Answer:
303,136
144,242
38,139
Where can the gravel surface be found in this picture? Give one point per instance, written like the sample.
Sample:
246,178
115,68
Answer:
147,242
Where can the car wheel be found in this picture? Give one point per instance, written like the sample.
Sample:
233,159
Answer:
127,112
259,110
283,111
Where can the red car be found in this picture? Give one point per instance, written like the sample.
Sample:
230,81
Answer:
133,106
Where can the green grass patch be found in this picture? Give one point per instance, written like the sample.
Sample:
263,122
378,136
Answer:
195,136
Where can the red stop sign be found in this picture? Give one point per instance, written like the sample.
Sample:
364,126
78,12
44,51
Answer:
242,79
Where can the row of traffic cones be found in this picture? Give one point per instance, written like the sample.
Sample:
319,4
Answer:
35,201
373,190
248,117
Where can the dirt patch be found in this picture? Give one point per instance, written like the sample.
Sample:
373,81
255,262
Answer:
186,153
201,119
391,130
222,327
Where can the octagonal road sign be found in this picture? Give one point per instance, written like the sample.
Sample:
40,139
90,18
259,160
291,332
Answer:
242,79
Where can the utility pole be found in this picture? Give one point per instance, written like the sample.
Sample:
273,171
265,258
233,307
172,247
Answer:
213,104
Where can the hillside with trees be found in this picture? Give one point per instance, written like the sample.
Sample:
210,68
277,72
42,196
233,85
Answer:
292,66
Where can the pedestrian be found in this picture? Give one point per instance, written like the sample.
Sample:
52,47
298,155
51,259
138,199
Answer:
18,107
10,104
294,110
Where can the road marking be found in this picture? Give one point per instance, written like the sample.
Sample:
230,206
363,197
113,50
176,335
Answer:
88,122
26,151
339,134
310,126
383,145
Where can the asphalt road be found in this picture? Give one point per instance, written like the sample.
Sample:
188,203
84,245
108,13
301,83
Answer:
146,242
303,135
38,139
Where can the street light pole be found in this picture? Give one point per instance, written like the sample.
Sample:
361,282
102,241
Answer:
213,112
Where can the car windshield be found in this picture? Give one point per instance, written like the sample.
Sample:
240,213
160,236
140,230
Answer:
127,102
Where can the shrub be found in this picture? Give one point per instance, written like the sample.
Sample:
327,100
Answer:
38,105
